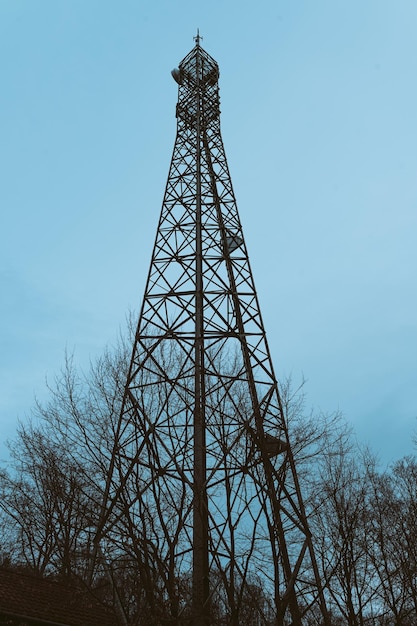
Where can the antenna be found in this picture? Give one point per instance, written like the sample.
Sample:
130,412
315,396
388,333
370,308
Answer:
198,37
202,471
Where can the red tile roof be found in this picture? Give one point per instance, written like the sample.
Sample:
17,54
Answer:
26,596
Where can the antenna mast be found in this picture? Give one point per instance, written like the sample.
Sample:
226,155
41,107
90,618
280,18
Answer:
202,466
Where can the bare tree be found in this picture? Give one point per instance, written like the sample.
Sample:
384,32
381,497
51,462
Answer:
54,499
342,525
392,540
47,503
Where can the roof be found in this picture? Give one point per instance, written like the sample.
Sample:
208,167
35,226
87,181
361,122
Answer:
31,598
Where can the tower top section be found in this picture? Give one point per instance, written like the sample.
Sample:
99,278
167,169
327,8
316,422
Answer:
197,68
198,96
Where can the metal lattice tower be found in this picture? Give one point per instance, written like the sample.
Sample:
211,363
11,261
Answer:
202,464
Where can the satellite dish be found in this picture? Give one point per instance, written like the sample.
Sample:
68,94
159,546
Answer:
176,75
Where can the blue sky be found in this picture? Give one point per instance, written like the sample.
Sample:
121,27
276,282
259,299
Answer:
319,104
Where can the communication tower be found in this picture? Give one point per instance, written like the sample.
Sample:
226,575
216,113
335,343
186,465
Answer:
202,446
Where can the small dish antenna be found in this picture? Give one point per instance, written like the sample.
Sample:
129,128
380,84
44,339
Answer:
177,75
